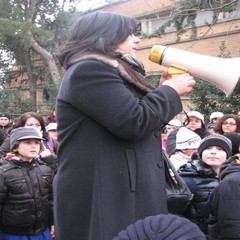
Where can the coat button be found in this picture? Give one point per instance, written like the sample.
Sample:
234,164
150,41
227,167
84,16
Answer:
157,132
160,165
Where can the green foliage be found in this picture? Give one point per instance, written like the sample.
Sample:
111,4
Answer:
12,101
43,20
184,13
153,79
49,94
207,98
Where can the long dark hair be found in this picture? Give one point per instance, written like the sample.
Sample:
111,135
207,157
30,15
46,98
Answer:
99,32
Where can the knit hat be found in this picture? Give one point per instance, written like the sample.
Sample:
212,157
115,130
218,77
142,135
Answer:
187,139
51,126
22,133
162,227
175,122
195,114
6,114
216,115
216,140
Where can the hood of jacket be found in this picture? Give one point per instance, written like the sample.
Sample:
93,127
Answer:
230,166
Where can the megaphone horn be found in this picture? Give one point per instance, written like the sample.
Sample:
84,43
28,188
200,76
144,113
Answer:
222,72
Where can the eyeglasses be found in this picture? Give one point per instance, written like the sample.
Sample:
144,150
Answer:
229,123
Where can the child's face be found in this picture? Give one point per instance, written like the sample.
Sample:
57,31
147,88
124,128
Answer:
29,149
214,156
194,123
4,121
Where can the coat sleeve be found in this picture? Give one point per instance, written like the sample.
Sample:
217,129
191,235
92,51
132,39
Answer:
100,92
5,147
3,193
51,200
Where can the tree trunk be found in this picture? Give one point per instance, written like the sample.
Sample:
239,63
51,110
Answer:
30,15
32,80
48,58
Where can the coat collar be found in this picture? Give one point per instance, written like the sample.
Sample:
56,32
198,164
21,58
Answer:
123,68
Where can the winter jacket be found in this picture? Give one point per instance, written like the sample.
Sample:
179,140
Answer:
26,197
179,159
201,180
6,129
224,203
110,158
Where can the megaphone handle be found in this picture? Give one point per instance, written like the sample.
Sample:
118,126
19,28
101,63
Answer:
175,70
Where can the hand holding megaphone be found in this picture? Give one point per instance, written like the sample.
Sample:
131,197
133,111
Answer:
222,72
182,83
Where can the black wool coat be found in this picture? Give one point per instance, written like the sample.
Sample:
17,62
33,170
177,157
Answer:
110,167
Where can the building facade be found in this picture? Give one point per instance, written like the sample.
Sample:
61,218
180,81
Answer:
152,14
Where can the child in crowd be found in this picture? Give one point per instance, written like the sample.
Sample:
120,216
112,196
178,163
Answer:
201,176
51,128
213,120
26,198
215,116
5,124
187,142
48,155
224,203
172,125
194,121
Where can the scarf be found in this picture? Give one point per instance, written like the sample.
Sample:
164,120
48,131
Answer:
128,67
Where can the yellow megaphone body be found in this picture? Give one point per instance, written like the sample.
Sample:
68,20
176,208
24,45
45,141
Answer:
222,72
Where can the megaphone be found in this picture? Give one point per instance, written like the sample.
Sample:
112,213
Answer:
222,72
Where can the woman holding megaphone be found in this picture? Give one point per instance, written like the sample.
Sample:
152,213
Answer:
109,122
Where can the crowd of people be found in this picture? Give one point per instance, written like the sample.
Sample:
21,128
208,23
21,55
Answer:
94,168
204,154
28,165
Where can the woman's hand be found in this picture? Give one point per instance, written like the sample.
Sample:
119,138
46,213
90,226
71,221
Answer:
163,78
52,231
45,153
183,83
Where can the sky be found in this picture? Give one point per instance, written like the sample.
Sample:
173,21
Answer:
85,5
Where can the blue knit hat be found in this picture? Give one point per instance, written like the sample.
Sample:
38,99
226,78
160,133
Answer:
162,227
